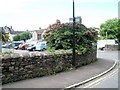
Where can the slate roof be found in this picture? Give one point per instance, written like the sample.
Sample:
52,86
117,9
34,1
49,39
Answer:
8,30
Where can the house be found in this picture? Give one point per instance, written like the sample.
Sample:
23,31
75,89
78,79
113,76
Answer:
38,34
6,29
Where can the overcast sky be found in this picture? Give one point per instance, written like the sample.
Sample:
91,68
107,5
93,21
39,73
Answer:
32,14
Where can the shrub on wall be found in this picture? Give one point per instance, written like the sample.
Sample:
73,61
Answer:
59,36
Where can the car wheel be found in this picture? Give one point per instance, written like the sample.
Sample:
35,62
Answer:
33,49
43,49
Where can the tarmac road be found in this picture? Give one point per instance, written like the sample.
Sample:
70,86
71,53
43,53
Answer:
111,79
110,55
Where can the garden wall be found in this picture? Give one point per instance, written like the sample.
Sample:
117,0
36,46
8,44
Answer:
17,67
111,47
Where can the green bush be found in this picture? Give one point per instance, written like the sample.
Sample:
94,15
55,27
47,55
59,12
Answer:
61,37
22,36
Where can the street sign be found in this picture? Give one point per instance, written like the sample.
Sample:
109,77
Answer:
77,20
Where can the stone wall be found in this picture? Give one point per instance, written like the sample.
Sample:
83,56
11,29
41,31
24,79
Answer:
111,47
17,67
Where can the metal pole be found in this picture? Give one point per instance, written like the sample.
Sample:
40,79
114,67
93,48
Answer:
0,46
73,61
106,35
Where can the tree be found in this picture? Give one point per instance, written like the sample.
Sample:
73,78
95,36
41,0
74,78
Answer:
16,37
109,29
4,36
118,31
23,36
59,36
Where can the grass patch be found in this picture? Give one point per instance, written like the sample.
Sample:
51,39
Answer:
8,52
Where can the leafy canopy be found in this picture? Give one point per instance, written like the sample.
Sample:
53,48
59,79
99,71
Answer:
59,36
110,29
3,36
23,36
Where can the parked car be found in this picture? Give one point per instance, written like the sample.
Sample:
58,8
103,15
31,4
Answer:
16,44
40,40
4,45
41,46
23,46
7,45
31,47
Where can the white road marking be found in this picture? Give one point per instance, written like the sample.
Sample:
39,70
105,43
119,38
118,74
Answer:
91,85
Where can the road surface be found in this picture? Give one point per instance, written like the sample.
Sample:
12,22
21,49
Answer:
110,80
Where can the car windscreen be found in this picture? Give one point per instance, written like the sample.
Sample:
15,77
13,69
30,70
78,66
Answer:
31,45
16,44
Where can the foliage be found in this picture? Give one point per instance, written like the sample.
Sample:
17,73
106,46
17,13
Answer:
118,34
118,31
109,29
60,37
23,36
4,36
16,37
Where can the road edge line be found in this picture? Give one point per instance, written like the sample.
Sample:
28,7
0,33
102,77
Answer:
92,78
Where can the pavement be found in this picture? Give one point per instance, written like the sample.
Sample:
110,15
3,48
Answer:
67,79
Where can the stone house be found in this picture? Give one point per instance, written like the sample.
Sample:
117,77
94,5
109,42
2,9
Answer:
38,34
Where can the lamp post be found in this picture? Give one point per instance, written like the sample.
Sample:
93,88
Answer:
73,58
